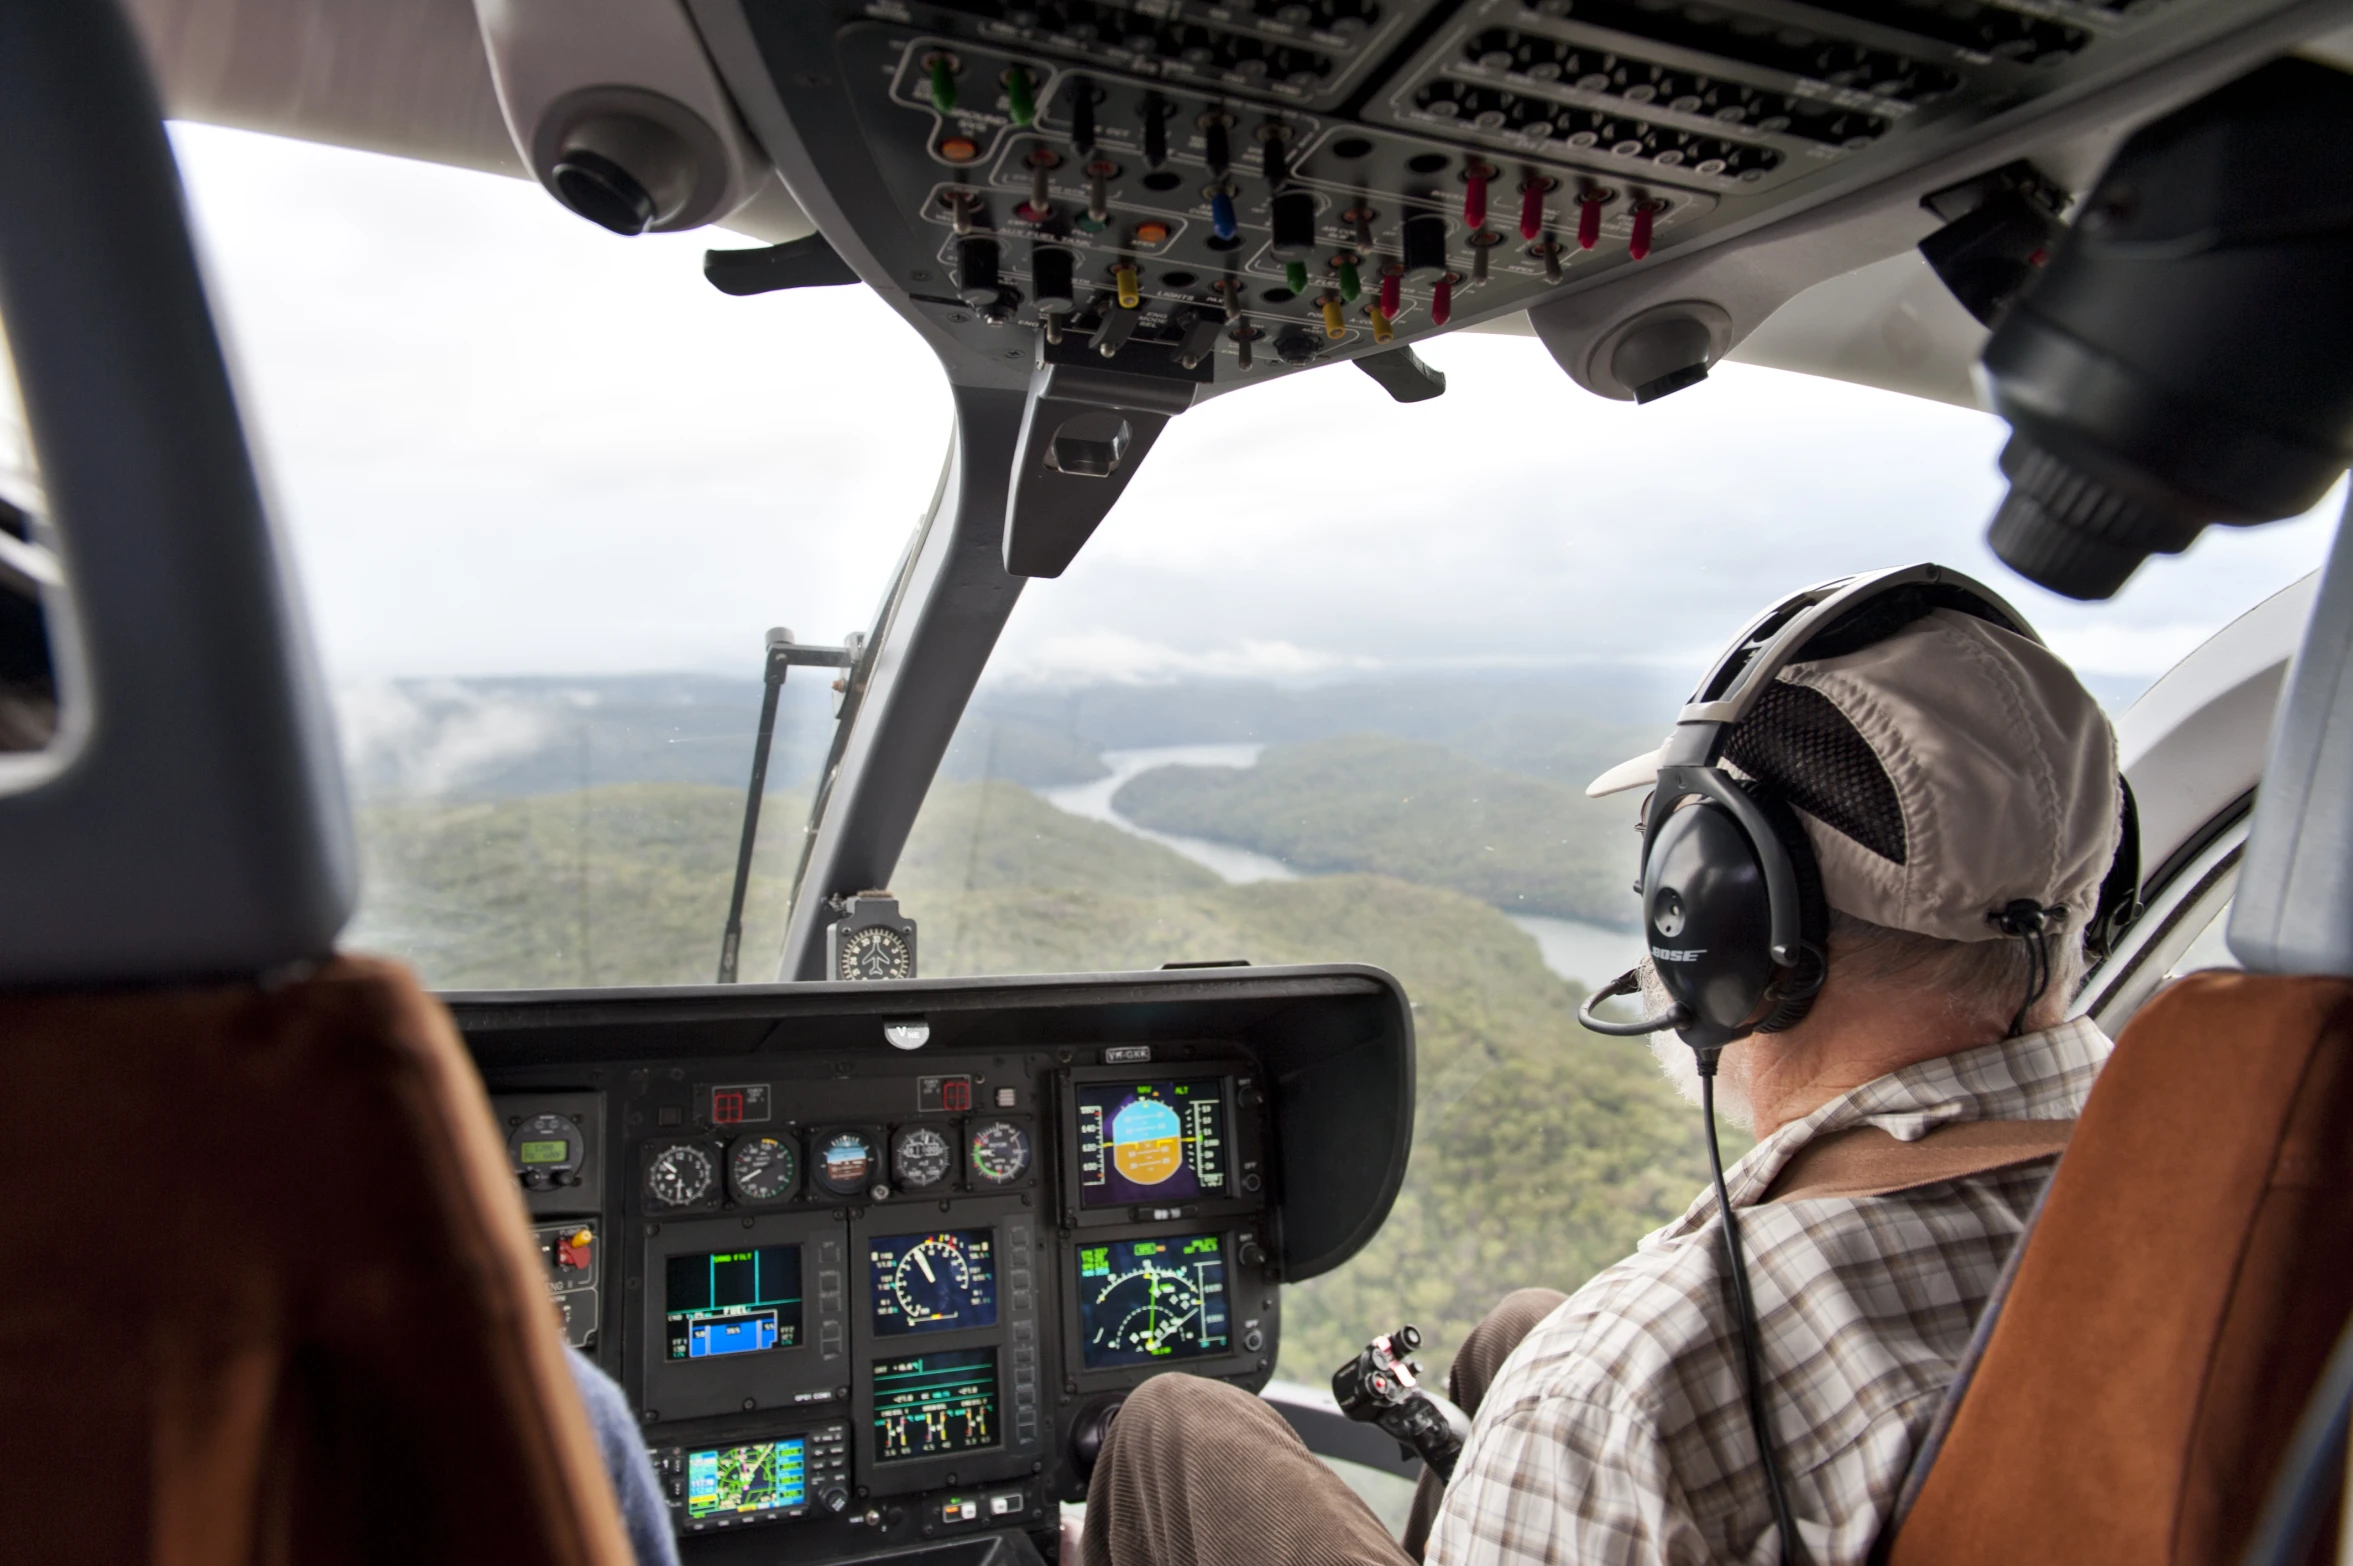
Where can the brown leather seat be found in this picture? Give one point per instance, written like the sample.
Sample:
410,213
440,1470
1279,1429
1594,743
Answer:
269,1294
2176,1300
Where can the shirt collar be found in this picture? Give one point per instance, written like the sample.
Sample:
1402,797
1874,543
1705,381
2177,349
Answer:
2044,1075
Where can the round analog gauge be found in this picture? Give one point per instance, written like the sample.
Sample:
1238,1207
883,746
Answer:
876,951
921,1157
681,1175
1000,1152
846,1163
933,1282
763,1168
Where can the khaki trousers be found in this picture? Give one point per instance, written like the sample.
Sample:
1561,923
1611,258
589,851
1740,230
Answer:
1197,1471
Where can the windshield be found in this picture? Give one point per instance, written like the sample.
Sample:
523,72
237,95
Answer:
1329,685
1326,686
548,489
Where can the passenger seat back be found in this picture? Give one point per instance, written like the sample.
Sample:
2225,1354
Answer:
2175,1301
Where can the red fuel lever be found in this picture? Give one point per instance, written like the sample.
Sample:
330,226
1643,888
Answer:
1639,245
1474,196
1532,193
1589,207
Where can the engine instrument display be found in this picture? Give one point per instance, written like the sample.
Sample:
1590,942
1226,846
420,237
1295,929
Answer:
747,1481
921,1157
933,1282
1150,1142
733,1302
929,1405
763,1168
1000,1152
1141,1302
845,1162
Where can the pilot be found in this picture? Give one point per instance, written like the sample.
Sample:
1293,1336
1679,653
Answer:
1937,773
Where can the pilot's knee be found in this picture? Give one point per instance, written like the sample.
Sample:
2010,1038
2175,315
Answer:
1177,1402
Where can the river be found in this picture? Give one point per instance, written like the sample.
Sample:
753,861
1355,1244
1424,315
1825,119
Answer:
1589,954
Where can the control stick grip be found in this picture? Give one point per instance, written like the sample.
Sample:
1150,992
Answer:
1379,1387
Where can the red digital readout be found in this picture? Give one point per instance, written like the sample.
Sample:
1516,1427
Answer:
726,1107
956,1094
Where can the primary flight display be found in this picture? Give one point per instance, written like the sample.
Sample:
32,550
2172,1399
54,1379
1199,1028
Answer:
1151,1142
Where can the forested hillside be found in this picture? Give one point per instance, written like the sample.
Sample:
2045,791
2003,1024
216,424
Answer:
1541,1152
1418,811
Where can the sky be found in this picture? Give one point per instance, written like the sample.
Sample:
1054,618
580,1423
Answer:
507,442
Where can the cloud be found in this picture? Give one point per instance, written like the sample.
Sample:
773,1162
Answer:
434,738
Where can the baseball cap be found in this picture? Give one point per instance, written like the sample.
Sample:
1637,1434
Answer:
1940,774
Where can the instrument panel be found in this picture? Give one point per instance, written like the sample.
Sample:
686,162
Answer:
861,1297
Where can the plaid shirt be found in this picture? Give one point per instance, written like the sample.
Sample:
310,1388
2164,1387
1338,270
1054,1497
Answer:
1618,1430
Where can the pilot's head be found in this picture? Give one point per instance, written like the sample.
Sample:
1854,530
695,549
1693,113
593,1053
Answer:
1942,773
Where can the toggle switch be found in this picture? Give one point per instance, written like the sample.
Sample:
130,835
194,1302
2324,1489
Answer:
1156,112
1217,141
1126,280
1334,327
1392,289
1242,337
1481,243
1099,174
1293,216
1382,329
1421,242
1547,250
1084,95
1222,221
1350,284
942,69
977,273
1442,300
1359,219
1475,176
1274,153
1021,96
1589,204
1202,330
1645,212
959,205
1040,206
1050,269
1295,276
1533,190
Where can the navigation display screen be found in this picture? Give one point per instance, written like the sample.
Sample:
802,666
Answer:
1141,1302
744,1481
733,1302
929,1405
933,1282
1150,1142
555,1150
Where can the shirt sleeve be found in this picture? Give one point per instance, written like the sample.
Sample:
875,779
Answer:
618,1440
1565,1482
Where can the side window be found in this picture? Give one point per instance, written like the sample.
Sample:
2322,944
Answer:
31,588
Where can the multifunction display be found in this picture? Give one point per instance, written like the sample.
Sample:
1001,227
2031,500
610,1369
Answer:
747,1481
933,1282
1150,1142
733,1302
1141,1302
929,1405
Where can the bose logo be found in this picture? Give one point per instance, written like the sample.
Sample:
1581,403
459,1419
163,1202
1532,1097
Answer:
1669,954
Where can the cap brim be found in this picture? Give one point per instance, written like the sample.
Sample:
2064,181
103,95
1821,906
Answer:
1634,772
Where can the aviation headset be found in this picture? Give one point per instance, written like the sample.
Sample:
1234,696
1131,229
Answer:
1732,904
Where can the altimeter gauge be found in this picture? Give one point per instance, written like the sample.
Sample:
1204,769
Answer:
681,1175
921,1157
1000,1152
764,1168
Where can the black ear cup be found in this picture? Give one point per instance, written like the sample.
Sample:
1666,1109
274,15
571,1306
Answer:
1709,919
1791,994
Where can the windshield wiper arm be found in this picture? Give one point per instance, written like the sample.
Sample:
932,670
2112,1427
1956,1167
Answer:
783,653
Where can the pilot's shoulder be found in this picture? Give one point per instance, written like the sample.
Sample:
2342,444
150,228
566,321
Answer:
1620,1341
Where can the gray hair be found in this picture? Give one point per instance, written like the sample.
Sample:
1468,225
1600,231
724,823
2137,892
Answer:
1979,981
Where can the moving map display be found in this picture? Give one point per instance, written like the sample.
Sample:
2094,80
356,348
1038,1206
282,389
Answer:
928,1405
733,1302
1141,1302
1150,1142
744,1481
932,1282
